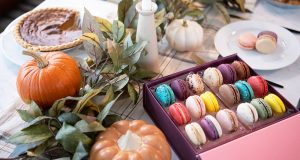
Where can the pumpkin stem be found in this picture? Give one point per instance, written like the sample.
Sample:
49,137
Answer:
184,24
42,62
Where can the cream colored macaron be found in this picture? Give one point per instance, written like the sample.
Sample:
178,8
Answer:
266,42
247,113
195,133
213,77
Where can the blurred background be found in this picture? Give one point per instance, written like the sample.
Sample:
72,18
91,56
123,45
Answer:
11,9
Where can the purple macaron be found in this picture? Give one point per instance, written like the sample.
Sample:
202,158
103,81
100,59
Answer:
211,127
180,89
228,73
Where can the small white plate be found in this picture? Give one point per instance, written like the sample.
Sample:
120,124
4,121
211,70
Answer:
13,51
286,53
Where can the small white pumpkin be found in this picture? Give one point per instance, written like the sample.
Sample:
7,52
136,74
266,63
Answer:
184,35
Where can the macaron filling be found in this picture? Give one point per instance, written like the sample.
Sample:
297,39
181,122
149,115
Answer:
234,92
199,104
232,119
252,113
266,107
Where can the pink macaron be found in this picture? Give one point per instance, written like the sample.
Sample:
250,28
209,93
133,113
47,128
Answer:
179,113
228,120
195,106
247,41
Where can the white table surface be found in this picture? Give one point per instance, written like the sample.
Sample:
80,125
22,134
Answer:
289,76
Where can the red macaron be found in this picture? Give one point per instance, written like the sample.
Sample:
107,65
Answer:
259,86
179,113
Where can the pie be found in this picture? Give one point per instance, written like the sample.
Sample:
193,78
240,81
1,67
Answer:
49,29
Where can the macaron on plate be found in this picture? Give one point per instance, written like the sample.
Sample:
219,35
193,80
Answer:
286,52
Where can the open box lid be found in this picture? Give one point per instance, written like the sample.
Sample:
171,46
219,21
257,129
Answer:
280,141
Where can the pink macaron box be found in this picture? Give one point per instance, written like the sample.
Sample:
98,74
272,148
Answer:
179,140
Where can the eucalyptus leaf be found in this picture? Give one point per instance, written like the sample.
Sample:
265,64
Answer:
88,96
119,82
91,38
40,149
109,96
105,25
123,7
144,74
110,119
69,117
128,41
80,152
25,115
37,120
159,17
35,109
90,25
94,52
22,148
133,94
197,14
241,4
223,12
69,137
58,105
114,51
118,30
131,17
132,54
101,116
34,133
85,127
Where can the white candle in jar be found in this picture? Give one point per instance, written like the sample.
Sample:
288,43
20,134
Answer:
146,5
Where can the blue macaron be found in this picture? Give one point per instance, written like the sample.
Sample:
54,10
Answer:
246,92
165,95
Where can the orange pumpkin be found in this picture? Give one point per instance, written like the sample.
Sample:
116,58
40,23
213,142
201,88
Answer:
134,140
47,78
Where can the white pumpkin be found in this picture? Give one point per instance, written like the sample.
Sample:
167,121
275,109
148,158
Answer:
184,35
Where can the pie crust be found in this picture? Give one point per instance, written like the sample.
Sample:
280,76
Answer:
49,29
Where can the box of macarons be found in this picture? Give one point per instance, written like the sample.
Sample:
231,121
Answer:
207,106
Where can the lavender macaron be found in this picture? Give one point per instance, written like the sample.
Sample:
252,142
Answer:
228,73
211,127
180,89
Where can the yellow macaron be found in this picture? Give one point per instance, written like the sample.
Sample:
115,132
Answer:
275,102
210,101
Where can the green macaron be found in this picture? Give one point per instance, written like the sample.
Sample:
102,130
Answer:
263,109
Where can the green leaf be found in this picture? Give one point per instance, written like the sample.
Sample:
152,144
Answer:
131,17
159,17
107,108
123,7
118,30
31,134
22,148
128,41
35,109
90,25
132,54
114,51
133,94
37,120
80,152
110,119
42,147
105,25
119,82
69,137
223,12
91,38
109,96
88,96
85,127
25,115
144,74
69,117
58,105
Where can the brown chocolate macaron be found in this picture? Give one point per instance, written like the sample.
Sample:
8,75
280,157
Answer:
229,94
242,70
